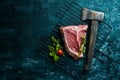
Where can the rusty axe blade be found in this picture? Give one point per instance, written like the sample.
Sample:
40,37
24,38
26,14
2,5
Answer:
94,16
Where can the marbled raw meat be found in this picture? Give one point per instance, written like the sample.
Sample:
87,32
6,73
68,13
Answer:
72,39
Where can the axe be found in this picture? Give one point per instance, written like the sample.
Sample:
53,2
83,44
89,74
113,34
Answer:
94,16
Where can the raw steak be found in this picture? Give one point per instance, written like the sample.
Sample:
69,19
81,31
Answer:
72,36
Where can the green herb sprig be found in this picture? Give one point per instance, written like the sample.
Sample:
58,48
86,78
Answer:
54,48
82,47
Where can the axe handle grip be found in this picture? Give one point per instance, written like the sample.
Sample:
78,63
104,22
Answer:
92,40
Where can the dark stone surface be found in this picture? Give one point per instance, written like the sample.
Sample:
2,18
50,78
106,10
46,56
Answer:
23,22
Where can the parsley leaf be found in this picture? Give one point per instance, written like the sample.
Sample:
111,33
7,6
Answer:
54,48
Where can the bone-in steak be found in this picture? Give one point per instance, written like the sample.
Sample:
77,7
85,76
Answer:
74,38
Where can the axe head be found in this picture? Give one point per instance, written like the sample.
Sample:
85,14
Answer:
92,15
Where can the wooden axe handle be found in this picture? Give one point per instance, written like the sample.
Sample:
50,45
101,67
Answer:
92,40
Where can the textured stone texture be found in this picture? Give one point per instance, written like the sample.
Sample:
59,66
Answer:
23,22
